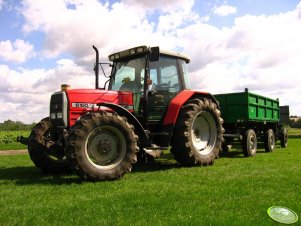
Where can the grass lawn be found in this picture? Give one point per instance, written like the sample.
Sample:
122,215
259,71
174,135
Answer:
234,191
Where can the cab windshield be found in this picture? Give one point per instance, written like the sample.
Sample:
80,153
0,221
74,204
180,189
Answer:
128,76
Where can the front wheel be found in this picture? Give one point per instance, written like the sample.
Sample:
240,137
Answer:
46,148
249,143
197,135
102,146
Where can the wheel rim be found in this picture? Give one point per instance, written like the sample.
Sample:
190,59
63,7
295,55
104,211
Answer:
272,140
285,138
252,144
105,147
204,133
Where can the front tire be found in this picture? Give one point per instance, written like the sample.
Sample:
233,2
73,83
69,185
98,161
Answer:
197,135
102,146
46,148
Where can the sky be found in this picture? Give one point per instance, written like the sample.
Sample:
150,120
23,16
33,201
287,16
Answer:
233,45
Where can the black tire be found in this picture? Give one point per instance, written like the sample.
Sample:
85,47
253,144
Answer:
284,137
249,143
102,146
46,148
269,140
197,135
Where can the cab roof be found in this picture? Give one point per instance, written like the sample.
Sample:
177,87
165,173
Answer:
140,50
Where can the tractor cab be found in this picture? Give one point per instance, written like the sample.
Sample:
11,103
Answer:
153,77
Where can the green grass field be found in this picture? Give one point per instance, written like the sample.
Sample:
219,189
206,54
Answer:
234,191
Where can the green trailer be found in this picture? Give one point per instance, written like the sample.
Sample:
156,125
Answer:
249,118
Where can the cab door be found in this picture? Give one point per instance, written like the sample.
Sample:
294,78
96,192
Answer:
165,86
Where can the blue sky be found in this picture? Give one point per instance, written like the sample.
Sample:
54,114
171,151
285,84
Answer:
233,44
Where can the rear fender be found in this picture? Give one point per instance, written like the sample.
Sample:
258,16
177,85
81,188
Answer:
139,130
176,103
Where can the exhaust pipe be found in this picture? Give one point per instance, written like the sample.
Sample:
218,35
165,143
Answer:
96,67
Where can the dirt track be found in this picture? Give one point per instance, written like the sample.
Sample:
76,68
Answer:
13,152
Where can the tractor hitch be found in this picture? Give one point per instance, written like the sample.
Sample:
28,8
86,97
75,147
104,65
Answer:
23,140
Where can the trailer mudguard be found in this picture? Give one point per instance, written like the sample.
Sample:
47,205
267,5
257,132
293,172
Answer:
177,102
143,137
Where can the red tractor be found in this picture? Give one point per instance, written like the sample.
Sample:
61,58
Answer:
146,106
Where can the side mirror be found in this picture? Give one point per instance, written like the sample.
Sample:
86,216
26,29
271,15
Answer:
154,54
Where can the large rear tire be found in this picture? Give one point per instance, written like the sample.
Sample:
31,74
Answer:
197,135
249,143
102,146
269,140
46,148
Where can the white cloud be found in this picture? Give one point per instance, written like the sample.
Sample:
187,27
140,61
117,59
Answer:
261,53
75,30
110,27
16,52
164,6
30,90
224,10
1,4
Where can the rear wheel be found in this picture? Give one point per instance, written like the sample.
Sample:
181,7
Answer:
102,146
197,134
269,140
283,137
46,148
249,143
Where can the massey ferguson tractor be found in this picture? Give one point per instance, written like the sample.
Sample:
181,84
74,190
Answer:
145,107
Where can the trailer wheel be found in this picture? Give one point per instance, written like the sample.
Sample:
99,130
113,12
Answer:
46,148
269,140
249,143
284,137
102,146
197,135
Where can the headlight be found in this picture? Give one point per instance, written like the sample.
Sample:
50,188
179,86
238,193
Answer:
52,115
59,115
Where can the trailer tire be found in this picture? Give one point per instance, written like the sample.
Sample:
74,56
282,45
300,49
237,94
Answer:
102,146
269,140
284,137
197,134
249,143
47,156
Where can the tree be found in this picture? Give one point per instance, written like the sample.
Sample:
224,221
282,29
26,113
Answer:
295,124
10,125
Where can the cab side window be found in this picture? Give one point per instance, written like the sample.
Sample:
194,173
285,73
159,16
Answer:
164,74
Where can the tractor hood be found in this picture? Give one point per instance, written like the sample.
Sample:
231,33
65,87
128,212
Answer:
79,97
67,106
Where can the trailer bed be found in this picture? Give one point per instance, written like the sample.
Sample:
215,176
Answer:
245,107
